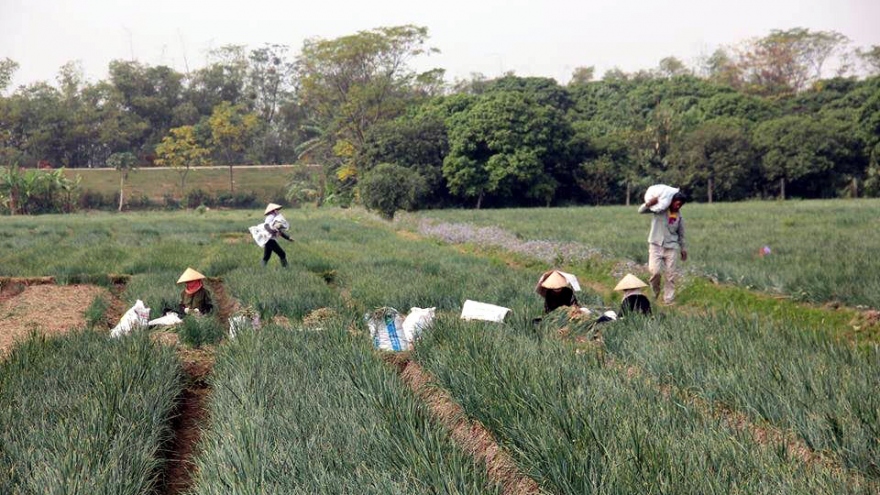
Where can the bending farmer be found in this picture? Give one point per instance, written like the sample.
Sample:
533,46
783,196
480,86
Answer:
665,241
556,291
194,298
276,225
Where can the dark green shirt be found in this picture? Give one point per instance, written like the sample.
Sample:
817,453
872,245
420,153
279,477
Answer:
199,299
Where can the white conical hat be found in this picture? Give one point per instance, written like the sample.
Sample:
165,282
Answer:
271,207
630,281
189,275
555,281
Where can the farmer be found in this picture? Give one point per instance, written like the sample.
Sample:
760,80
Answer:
194,298
665,241
276,225
556,291
633,300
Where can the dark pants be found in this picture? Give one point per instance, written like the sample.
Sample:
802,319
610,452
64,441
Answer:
269,248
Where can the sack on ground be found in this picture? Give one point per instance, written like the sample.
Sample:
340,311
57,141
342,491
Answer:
473,310
242,323
138,316
664,194
418,320
260,234
386,329
169,319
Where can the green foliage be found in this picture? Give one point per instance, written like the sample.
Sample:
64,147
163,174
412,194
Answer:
389,188
505,145
578,426
318,412
199,331
716,157
181,150
796,147
37,191
95,312
87,413
352,83
417,142
813,385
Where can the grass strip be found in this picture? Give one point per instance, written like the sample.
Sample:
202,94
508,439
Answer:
82,413
318,412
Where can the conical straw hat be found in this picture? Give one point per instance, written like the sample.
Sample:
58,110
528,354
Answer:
189,275
630,281
555,281
271,207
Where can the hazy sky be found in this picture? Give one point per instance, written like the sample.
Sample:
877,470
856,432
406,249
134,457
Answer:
532,38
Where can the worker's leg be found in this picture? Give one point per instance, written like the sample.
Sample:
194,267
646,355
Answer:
267,251
655,267
281,255
669,258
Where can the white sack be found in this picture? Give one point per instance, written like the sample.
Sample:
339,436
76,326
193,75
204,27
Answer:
138,316
664,193
241,323
386,329
418,320
280,223
169,319
260,234
473,310
572,279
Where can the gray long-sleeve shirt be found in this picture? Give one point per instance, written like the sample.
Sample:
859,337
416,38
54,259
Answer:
665,232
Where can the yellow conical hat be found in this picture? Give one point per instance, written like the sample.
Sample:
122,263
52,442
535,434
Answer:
189,275
271,207
555,281
630,281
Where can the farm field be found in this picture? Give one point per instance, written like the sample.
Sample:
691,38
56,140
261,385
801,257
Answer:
821,251
154,183
684,402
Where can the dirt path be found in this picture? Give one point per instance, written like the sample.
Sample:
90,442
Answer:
471,436
189,419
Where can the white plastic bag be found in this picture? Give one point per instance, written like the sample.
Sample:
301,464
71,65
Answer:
260,234
241,323
138,316
664,194
386,329
280,223
169,319
473,310
416,322
572,279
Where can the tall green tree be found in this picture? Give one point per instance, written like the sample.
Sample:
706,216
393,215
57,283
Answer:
232,128
181,150
505,145
351,83
124,163
388,188
787,61
716,157
417,142
8,67
795,148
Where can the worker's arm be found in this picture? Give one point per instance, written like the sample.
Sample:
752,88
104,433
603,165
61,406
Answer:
646,206
681,241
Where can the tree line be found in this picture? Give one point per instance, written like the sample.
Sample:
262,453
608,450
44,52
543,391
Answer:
764,118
